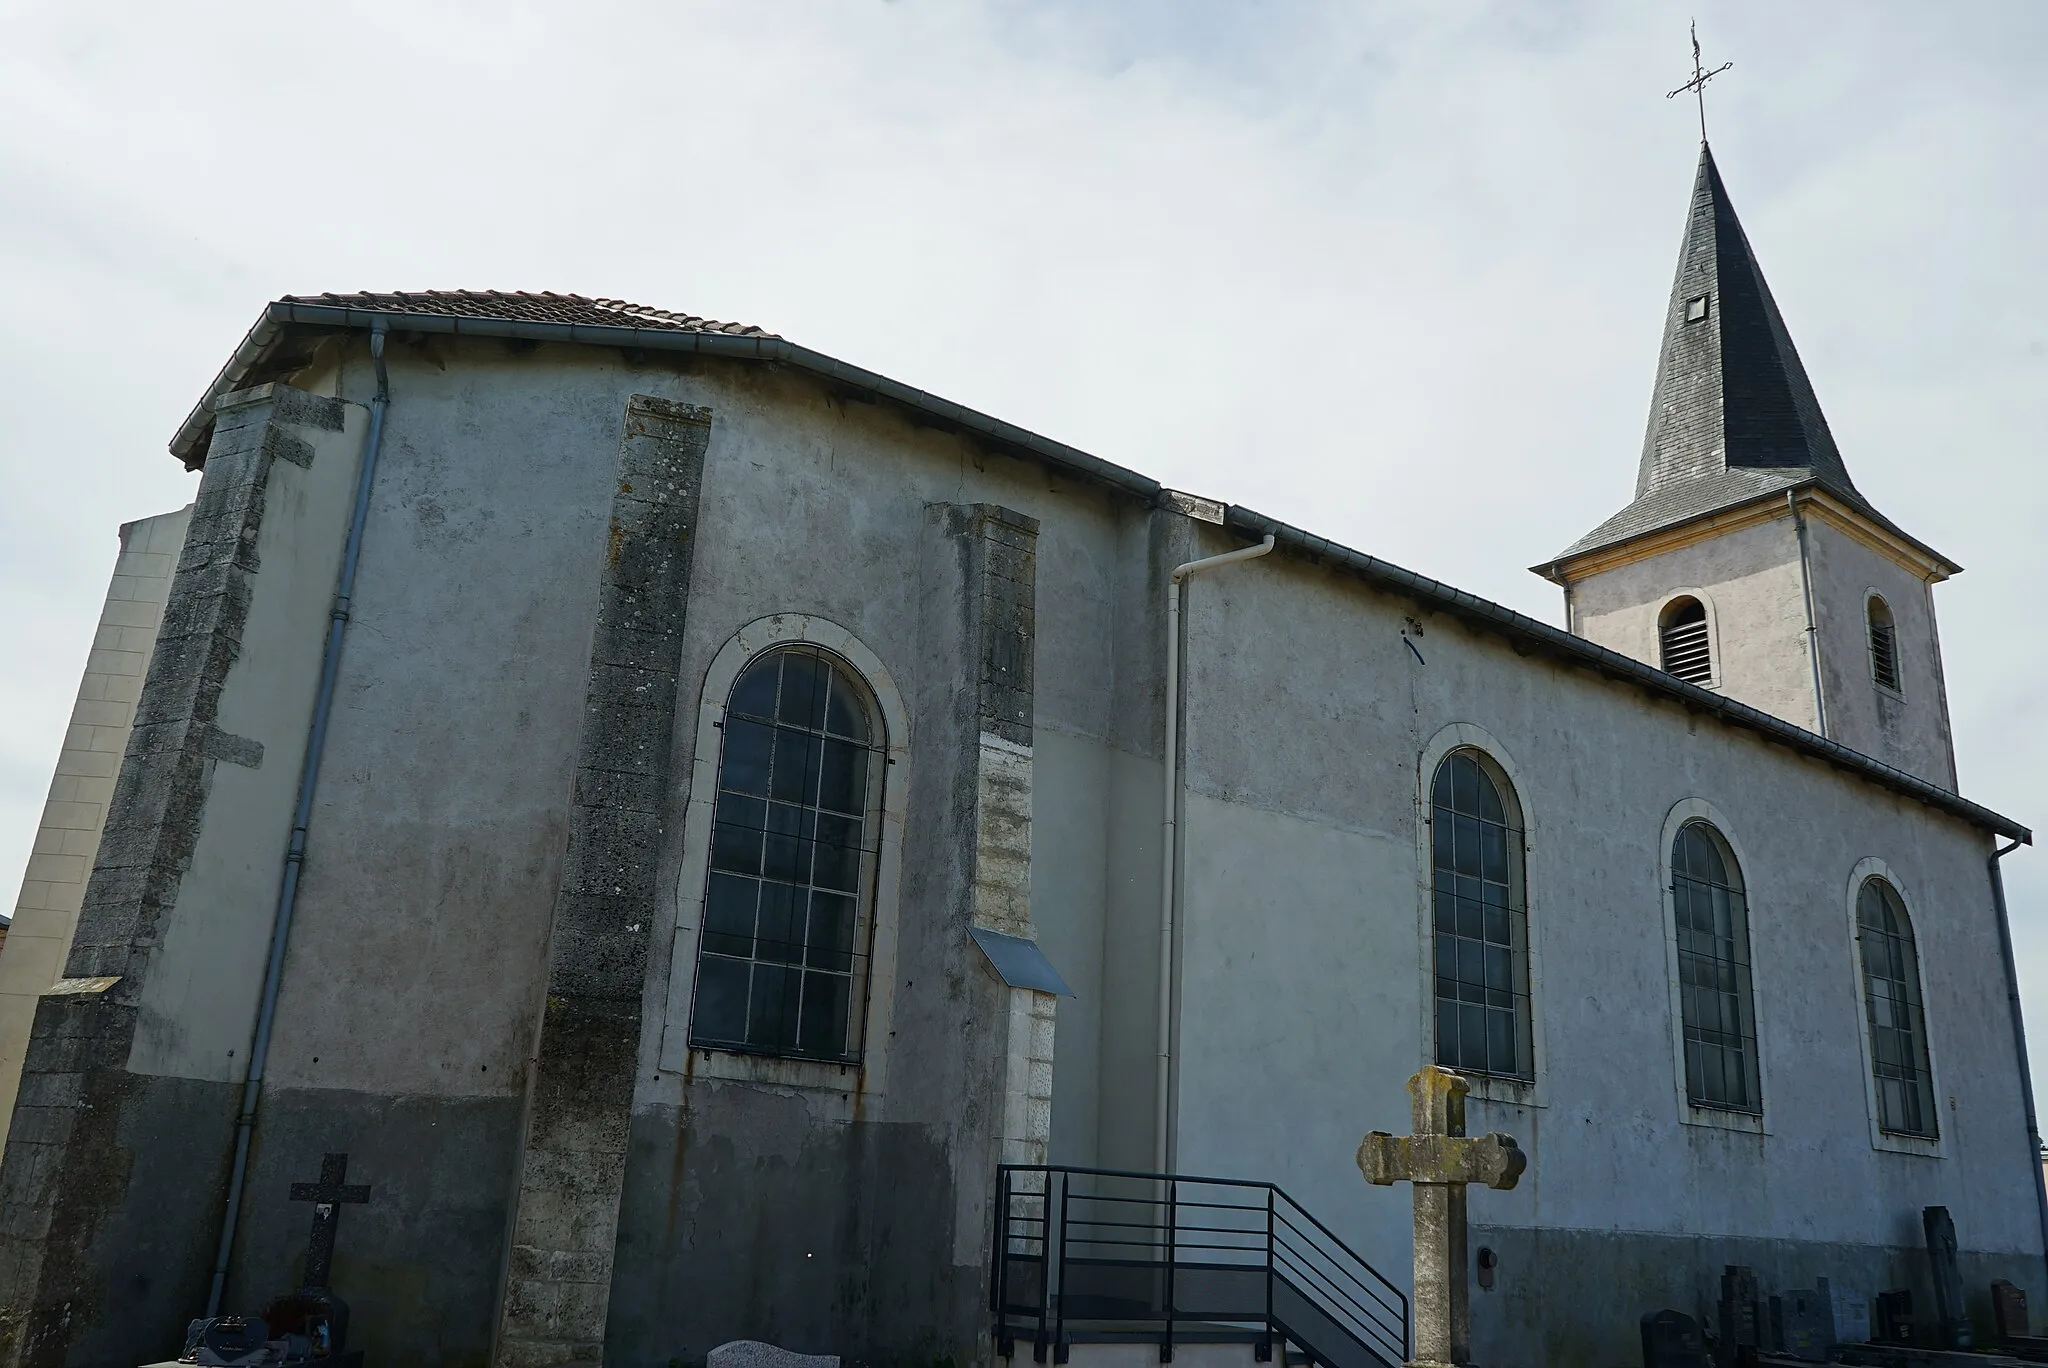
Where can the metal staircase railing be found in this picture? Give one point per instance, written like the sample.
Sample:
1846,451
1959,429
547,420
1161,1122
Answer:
1105,1254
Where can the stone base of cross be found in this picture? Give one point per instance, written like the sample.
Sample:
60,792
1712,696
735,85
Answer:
1440,1162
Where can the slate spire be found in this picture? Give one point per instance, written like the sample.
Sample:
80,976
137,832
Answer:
1733,416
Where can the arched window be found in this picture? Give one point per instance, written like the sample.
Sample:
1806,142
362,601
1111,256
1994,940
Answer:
1884,645
1716,999
1482,931
1682,639
1898,1024
788,906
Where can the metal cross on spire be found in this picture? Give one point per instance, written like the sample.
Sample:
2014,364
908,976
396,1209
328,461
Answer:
1698,84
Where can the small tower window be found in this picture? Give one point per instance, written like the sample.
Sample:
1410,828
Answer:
1682,637
1696,309
1884,645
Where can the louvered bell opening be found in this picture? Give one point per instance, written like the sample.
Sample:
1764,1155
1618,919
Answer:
1683,638
1884,654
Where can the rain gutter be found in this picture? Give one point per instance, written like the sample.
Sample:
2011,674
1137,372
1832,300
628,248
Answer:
1531,636
188,444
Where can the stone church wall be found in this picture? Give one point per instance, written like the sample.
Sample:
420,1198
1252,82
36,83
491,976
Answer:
1306,979
1907,727
67,838
1749,581
850,1214
1009,621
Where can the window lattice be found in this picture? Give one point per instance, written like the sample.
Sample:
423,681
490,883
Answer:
782,963
1884,646
1482,934
1898,1023
1717,1002
1683,641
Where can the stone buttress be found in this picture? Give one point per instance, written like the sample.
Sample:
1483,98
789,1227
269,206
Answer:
580,1095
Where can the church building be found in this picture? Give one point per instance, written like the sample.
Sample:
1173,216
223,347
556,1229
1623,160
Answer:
728,845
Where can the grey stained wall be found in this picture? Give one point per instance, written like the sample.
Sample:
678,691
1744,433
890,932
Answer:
1750,580
1306,982
845,1210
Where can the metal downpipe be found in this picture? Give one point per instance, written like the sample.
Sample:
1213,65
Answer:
2019,1040
295,847
1169,854
1820,701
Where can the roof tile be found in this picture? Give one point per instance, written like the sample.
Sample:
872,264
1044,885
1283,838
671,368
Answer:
520,305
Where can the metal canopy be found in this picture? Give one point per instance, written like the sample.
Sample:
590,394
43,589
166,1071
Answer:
1019,962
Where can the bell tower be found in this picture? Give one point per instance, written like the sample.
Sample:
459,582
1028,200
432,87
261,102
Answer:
1748,562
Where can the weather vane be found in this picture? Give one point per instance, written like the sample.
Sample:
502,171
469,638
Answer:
1698,84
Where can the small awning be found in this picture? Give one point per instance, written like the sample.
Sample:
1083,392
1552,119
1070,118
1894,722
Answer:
1019,962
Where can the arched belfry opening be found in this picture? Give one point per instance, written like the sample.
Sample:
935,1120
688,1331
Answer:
1683,648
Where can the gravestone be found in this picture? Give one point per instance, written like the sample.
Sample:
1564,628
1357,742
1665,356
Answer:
1802,1325
1852,1314
755,1354
1438,1161
1895,1316
1951,1321
1671,1339
1738,1312
325,1316
2009,1311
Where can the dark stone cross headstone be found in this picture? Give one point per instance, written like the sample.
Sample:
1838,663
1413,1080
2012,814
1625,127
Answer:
1671,1339
1952,1322
327,1197
2009,1311
326,1314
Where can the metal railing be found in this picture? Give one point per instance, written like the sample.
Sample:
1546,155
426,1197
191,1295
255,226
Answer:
1109,1254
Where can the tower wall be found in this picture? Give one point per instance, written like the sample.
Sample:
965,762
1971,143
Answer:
1748,579
1907,727
1745,568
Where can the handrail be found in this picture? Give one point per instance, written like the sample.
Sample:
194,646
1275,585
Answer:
1187,1178
1119,1261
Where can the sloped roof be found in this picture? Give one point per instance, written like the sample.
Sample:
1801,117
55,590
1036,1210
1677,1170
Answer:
279,344
546,307
1733,417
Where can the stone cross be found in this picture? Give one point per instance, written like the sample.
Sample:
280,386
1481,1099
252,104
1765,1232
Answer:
327,1195
1439,1161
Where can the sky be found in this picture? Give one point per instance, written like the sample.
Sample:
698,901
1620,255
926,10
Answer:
1395,272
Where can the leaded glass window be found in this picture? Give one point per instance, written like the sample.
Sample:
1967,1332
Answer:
1482,931
1898,1023
1717,1001
788,900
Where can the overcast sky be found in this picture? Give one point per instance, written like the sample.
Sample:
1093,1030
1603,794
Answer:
1394,272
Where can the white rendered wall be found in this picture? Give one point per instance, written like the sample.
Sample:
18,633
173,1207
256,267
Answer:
1750,582
1907,727
53,889
1305,980
198,1005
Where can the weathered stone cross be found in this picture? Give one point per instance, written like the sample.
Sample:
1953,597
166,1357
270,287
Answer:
326,1197
1440,1161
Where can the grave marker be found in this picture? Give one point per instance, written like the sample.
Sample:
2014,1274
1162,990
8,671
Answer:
326,1315
2009,1311
1671,1339
1951,1321
1739,1325
1439,1161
